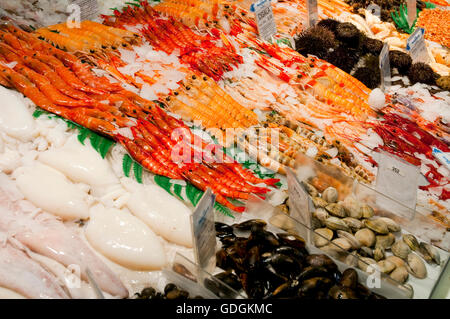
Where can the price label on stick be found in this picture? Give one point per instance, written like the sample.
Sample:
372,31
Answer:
203,232
264,19
412,12
417,47
299,202
374,9
397,179
313,15
385,68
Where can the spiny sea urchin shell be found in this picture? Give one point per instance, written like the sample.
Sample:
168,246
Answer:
373,46
316,41
367,76
400,60
330,24
348,33
444,82
344,58
423,73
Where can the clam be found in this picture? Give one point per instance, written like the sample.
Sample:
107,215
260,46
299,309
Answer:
391,224
400,249
330,195
352,259
366,237
282,221
310,189
400,274
335,223
353,207
416,266
429,253
353,223
386,266
315,223
385,241
365,252
325,235
398,262
336,210
364,263
332,250
352,240
321,214
378,253
411,241
367,211
343,243
319,202
377,226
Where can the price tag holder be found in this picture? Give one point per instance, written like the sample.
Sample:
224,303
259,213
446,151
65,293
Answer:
88,8
300,204
313,15
204,233
264,19
412,12
417,47
385,68
374,9
397,179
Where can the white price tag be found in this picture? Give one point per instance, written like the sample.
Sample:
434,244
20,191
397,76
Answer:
204,233
264,19
417,47
88,8
385,67
412,12
313,15
397,179
299,202
374,9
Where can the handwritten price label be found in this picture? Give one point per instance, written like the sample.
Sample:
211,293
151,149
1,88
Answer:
417,47
264,19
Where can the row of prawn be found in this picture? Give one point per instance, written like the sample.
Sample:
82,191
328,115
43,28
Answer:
105,107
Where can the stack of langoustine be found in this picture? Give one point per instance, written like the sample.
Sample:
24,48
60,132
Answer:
70,89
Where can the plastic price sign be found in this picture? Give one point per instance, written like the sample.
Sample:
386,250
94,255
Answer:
374,9
88,8
385,68
397,179
412,12
204,233
299,202
313,15
264,19
417,47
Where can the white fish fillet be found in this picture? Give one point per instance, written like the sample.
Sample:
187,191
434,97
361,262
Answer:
21,274
48,236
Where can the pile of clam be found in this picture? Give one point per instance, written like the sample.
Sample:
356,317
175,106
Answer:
266,265
352,226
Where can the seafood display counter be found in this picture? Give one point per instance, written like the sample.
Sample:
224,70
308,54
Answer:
224,149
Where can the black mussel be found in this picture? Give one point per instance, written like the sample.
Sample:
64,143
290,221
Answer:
293,252
285,290
264,239
240,246
309,287
230,279
228,240
253,258
293,241
282,264
312,271
222,260
223,230
169,287
341,292
253,285
177,294
349,278
146,293
251,224
321,261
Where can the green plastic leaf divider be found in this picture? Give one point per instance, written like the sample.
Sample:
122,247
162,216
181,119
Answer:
133,4
127,161
163,182
137,169
177,188
83,135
